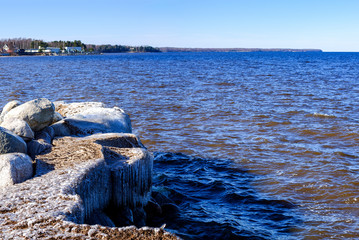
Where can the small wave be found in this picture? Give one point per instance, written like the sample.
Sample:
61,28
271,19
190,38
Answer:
321,115
273,123
347,155
225,84
212,194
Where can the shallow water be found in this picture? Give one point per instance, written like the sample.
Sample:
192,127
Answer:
266,143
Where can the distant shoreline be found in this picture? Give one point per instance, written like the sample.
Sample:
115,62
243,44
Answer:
174,49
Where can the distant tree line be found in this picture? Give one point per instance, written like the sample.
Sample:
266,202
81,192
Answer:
120,48
13,43
29,43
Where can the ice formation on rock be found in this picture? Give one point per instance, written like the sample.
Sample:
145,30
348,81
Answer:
76,178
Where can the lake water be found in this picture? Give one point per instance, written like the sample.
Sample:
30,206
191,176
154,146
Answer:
249,145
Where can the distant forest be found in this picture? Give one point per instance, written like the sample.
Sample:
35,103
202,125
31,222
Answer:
29,43
173,49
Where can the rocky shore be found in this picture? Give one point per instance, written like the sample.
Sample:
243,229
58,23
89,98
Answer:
75,171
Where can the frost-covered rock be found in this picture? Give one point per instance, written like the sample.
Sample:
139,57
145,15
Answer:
76,185
90,119
19,127
70,109
14,168
79,179
10,142
38,113
10,105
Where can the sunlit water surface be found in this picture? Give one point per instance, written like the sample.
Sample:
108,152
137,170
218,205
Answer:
249,145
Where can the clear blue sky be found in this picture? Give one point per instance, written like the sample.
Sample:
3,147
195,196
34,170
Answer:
331,25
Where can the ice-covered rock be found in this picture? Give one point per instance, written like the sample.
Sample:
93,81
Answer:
99,217
38,113
76,180
14,168
19,127
10,142
70,109
90,118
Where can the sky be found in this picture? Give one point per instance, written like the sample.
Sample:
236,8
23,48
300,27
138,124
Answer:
330,25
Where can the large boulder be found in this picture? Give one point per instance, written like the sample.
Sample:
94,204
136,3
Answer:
14,168
10,105
94,119
38,113
19,127
10,142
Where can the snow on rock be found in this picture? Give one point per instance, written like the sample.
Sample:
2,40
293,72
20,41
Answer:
70,109
73,183
14,168
87,118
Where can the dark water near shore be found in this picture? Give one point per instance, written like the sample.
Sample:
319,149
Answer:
249,145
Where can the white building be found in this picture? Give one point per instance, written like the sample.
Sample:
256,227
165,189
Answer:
51,50
73,49
6,48
32,50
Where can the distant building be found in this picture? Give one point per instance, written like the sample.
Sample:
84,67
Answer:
73,49
32,50
51,50
6,48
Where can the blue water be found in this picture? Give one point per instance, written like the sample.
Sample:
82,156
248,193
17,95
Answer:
249,145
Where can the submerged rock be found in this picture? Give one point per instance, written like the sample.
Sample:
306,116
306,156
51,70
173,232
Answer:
38,113
153,209
10,142
14,168
161,198
170,210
